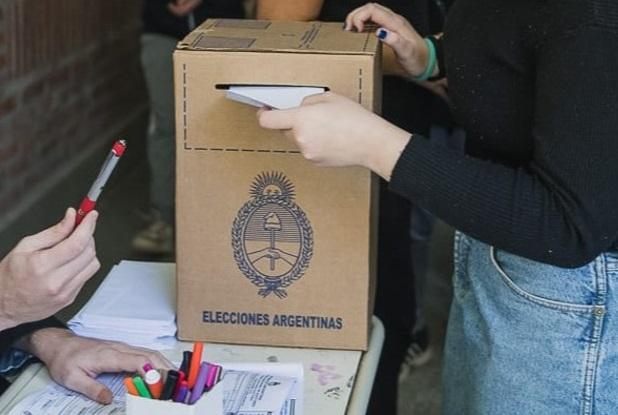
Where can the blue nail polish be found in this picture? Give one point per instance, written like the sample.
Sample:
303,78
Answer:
382,34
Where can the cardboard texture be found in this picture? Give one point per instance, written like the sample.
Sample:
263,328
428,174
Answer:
271,250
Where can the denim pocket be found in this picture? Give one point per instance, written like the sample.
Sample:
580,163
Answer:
574,290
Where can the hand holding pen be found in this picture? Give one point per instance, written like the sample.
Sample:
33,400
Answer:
45,272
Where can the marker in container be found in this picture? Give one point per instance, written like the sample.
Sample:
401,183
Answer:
131,389
186,361
213,374
154,382
141,387
181,378
196,360
90,200
200,383
171,384
182,392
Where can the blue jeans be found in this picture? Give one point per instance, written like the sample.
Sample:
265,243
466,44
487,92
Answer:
530,338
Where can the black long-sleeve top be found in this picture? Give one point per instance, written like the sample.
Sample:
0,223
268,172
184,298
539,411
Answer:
535,85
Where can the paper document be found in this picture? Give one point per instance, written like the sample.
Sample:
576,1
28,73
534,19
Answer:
135,304
56,400
254,393
277,97
276,388
246,392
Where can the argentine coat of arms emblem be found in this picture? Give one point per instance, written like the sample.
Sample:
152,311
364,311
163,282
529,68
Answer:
272,239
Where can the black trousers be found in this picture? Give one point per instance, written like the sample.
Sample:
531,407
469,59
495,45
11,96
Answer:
407,106
395,303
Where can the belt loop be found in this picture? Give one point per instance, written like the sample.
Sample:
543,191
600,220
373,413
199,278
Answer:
600,279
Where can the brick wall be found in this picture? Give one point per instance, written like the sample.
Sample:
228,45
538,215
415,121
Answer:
69,81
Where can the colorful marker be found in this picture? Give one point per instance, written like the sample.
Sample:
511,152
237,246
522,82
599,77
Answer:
196,360
89,202
181,378
154,382
182,392
186,360
213,374
131,389
200,383
171,384
141,387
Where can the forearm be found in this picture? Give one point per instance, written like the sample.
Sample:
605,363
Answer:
510,208
423,56
382,155
7,317
39,342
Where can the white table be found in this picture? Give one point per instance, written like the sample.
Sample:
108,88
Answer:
336,382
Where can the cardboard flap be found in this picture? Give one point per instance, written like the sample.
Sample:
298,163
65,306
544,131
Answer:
278,36
188,40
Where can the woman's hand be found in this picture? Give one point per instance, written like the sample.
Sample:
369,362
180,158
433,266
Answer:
75,362
331,130
396,32
45,272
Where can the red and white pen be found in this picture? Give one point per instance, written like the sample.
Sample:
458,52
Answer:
90,200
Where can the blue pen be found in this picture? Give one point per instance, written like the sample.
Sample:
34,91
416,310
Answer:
200,383
182,392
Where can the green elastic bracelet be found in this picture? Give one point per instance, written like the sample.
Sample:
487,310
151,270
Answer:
431,64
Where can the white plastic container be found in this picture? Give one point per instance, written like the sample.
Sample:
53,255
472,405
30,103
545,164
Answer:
211,403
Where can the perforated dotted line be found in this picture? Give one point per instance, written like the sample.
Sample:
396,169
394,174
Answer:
245,150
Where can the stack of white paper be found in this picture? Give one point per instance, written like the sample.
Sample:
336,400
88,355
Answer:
135,304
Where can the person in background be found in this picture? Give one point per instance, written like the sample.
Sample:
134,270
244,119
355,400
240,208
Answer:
408,104
41,275
165,23
532,326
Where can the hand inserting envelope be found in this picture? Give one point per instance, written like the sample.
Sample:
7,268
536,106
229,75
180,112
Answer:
276,97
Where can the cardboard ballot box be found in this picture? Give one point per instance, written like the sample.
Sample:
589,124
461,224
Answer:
271,249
